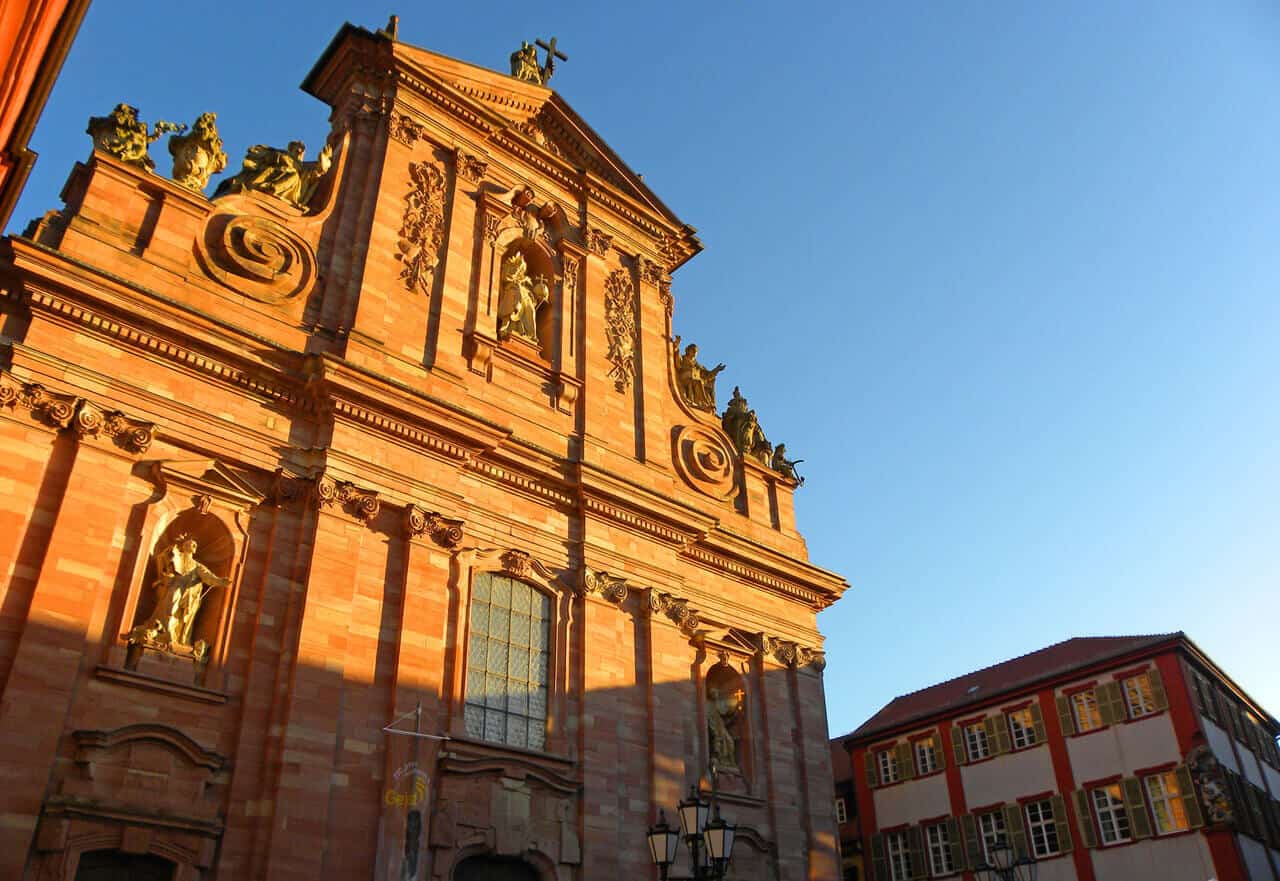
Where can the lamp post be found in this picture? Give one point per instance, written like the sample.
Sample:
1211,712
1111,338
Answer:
708,838
1004,865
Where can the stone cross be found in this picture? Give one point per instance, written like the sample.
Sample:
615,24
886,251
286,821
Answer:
552,54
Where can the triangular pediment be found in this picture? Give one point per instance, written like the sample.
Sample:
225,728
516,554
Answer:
208,476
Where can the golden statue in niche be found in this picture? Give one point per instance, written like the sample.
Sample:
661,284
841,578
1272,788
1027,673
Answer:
723,707
180,588
519,298
280,173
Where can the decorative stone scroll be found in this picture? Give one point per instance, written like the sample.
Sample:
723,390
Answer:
444,530
257,256
604,585
704,460
620,327
86,418
793,654
363,503
471,168
422,229
677,609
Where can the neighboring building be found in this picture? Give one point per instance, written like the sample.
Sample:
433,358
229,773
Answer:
847,831
1129,758
34,40
401,430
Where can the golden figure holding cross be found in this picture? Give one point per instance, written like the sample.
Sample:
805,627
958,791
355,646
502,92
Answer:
524,61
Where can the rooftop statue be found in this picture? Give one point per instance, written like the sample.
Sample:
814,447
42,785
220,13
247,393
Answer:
697,384
784,466
279,173
524,62
743,428
122,135
198,155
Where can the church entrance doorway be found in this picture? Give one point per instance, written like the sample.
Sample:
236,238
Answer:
112,865
489,868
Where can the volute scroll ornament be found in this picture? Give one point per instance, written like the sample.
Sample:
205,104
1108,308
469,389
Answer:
705,461
677,609
604,585
444,530
257,256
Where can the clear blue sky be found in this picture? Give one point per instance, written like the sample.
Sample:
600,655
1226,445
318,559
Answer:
1005,275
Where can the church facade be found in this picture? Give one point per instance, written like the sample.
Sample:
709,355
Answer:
365,521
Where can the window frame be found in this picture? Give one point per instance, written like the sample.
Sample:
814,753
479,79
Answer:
888,772
1115,812
932,751
1167,798
1029,730
1095,719
1045,824
903,854
996,835
944,845
1147,696
969,741
842,815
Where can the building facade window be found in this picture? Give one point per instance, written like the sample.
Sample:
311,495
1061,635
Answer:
899,854
1022,728
1139,698
1113,821
887,761
841,816
991,831
939,844
1042,828
1165,797
926,750
1084,711
977,746
508,656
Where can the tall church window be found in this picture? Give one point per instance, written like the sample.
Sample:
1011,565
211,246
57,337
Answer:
507,660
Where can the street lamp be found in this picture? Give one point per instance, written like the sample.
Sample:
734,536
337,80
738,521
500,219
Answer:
1004,865
710,842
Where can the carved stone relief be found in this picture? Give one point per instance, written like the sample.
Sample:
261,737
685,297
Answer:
446,531
86,418
599,242
705,460
604,585
471,168
422,229
677,609
620,327
257,256
403,129
361,502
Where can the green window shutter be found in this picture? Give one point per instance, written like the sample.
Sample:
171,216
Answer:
915,843
1003,741
1084,818
1135,805
1224,712
992,725
1037,722
906,766
956,840
873,772
879,866
1157,689
1190,801
1064,716
1207,700
957,745
1061,824
1015,829
1111,703
972,845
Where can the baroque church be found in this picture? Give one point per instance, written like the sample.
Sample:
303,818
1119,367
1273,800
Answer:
363,519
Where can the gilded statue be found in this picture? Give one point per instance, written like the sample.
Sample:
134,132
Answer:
122,135
519,299
180,588
280,173
743,427
784,466
723,708
198,155
524,62
697,384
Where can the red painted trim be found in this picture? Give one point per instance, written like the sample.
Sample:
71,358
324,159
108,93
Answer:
923,735
1013,708
901,827
955,782
929,821
1062,776
883,745
1102,781
1130,673
971,720
1227,861
1155,769
1091,685
1039,796
865,813
987,809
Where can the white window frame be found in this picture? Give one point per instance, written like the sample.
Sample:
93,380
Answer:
1041,828
1165,798
938,843
1081,704
898,853
1021,736
887,762
926,753
841,815
1141,701
991,831
976,745
1108,807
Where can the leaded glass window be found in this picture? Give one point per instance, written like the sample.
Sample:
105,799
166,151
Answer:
507,662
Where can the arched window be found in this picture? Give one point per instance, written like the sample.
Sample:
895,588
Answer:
112,865
507,657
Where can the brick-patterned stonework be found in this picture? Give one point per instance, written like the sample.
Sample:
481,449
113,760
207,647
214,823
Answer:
352,442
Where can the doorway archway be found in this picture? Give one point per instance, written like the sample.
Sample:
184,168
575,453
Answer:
113,865
492,868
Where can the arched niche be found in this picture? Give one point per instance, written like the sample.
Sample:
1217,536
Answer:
728,728
526,287
487,867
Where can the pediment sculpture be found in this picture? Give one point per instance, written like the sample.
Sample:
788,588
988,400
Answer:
696,383
198,154
122,135
284,174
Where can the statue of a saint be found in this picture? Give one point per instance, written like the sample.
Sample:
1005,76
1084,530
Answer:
722,709
122,135
524,64
697,384
180,589
198,155
519,298
784,466
280,173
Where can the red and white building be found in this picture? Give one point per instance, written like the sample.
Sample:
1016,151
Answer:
1104,758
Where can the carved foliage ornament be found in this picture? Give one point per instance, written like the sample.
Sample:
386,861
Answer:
422,229
470,167
620,327
403,129
599,242
85,417
418,522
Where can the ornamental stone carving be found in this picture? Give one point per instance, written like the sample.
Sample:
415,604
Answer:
604,585
704,460
518,564
122,135
471,168
257,256
403,129
422,228
677,609
650,272
620,327
198,155
329,493
86,418
444,530
599,242
668,301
